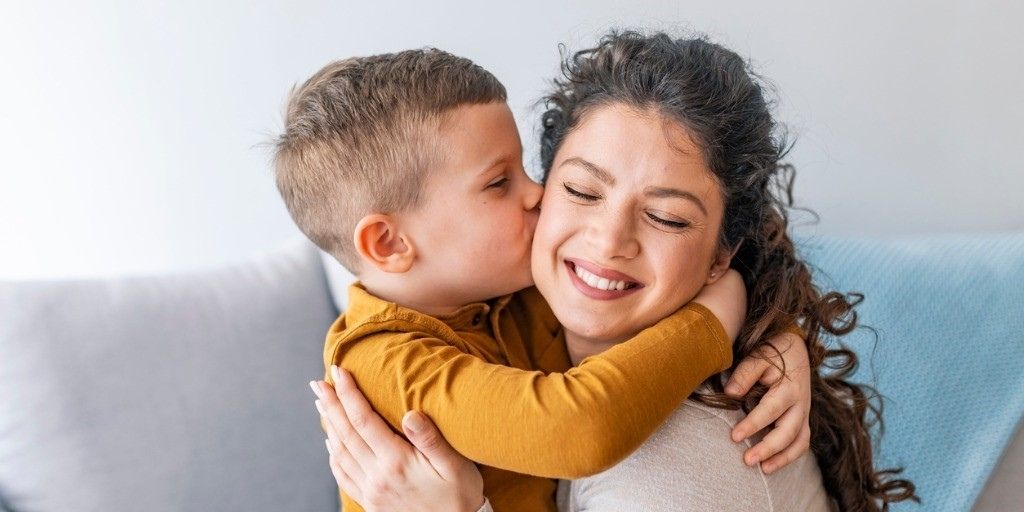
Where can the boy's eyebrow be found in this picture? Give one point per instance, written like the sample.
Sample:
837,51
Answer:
594,169
496,162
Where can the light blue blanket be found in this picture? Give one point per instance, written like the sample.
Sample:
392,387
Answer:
949,356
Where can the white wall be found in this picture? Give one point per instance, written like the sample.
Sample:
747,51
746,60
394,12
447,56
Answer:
128,130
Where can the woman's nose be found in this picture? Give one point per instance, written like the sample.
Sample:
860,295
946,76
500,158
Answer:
613,237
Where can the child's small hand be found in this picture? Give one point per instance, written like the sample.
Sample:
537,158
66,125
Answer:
787,403
727,299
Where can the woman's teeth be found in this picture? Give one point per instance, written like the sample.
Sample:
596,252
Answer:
599,282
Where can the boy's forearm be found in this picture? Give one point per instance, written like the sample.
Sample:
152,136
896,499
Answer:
557,425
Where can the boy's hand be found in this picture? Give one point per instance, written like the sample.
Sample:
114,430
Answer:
727,299
379,469
787,403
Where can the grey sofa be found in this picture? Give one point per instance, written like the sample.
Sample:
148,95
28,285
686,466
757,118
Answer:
188,392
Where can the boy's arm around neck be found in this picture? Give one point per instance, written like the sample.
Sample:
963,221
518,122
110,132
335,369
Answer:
559,425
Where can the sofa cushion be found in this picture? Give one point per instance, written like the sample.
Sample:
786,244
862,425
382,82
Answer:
179,392
948,353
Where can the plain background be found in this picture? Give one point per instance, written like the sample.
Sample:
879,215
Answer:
133,133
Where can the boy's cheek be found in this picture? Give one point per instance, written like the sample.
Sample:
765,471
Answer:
532,217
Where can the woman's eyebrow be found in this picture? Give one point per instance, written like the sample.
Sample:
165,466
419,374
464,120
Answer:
675,192
593,168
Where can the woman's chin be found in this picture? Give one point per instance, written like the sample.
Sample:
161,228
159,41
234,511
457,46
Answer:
595,331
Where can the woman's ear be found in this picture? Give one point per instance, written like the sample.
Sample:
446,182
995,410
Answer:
382,245
723,259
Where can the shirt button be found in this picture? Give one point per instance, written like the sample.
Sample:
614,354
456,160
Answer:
476,319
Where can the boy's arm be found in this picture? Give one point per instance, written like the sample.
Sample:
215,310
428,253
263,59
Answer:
564,425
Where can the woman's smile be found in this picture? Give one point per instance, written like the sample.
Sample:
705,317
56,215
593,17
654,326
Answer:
600,283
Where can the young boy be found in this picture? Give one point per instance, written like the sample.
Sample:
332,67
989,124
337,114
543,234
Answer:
407,168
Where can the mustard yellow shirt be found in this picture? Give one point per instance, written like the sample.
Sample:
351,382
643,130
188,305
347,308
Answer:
496,379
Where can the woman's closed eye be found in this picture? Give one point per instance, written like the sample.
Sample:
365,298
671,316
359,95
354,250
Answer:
669,223
666,222
580,195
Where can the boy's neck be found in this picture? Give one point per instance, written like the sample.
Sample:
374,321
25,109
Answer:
392,293
435,310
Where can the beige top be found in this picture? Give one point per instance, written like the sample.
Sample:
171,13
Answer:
690,463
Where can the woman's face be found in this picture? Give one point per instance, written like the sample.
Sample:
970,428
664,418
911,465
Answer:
629,224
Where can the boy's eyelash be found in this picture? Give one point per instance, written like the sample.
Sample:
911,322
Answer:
499,183
579,194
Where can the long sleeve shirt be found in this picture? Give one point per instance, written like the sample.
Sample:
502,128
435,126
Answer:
477,373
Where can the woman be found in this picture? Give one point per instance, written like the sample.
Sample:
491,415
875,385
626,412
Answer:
661,159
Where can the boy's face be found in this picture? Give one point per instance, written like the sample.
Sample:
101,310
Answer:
474,228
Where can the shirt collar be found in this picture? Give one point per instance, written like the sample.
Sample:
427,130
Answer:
363,304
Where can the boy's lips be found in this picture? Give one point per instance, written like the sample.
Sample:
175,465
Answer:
600,283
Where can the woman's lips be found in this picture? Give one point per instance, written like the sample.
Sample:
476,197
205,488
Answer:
610,275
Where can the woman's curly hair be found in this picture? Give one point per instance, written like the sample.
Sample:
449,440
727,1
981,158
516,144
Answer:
711,92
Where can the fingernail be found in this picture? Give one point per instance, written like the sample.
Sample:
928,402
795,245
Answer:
732,389
328,445
316,388
767,468
335,373
414,422
753,461
319,407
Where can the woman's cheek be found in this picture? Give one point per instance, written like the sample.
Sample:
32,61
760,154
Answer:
542,237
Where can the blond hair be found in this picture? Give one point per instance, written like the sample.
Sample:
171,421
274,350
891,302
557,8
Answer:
360,137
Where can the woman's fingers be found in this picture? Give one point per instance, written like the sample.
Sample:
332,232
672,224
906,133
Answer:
785,434
333,410
431,443
772,405
336,447
351,466
364,419
345,483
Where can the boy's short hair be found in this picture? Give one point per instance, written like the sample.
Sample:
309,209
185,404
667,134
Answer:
361,134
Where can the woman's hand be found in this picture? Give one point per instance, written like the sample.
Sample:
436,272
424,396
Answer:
379,469
787,403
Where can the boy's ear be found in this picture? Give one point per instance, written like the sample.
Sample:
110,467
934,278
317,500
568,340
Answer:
381,244
723,258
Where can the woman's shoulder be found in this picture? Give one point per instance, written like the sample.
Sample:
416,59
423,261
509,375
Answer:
691,462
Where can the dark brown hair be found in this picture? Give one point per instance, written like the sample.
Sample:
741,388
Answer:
360,137
711,92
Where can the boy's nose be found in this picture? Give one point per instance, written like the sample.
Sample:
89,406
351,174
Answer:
531,219
533,194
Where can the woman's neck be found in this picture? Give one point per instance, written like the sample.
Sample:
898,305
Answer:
581,348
